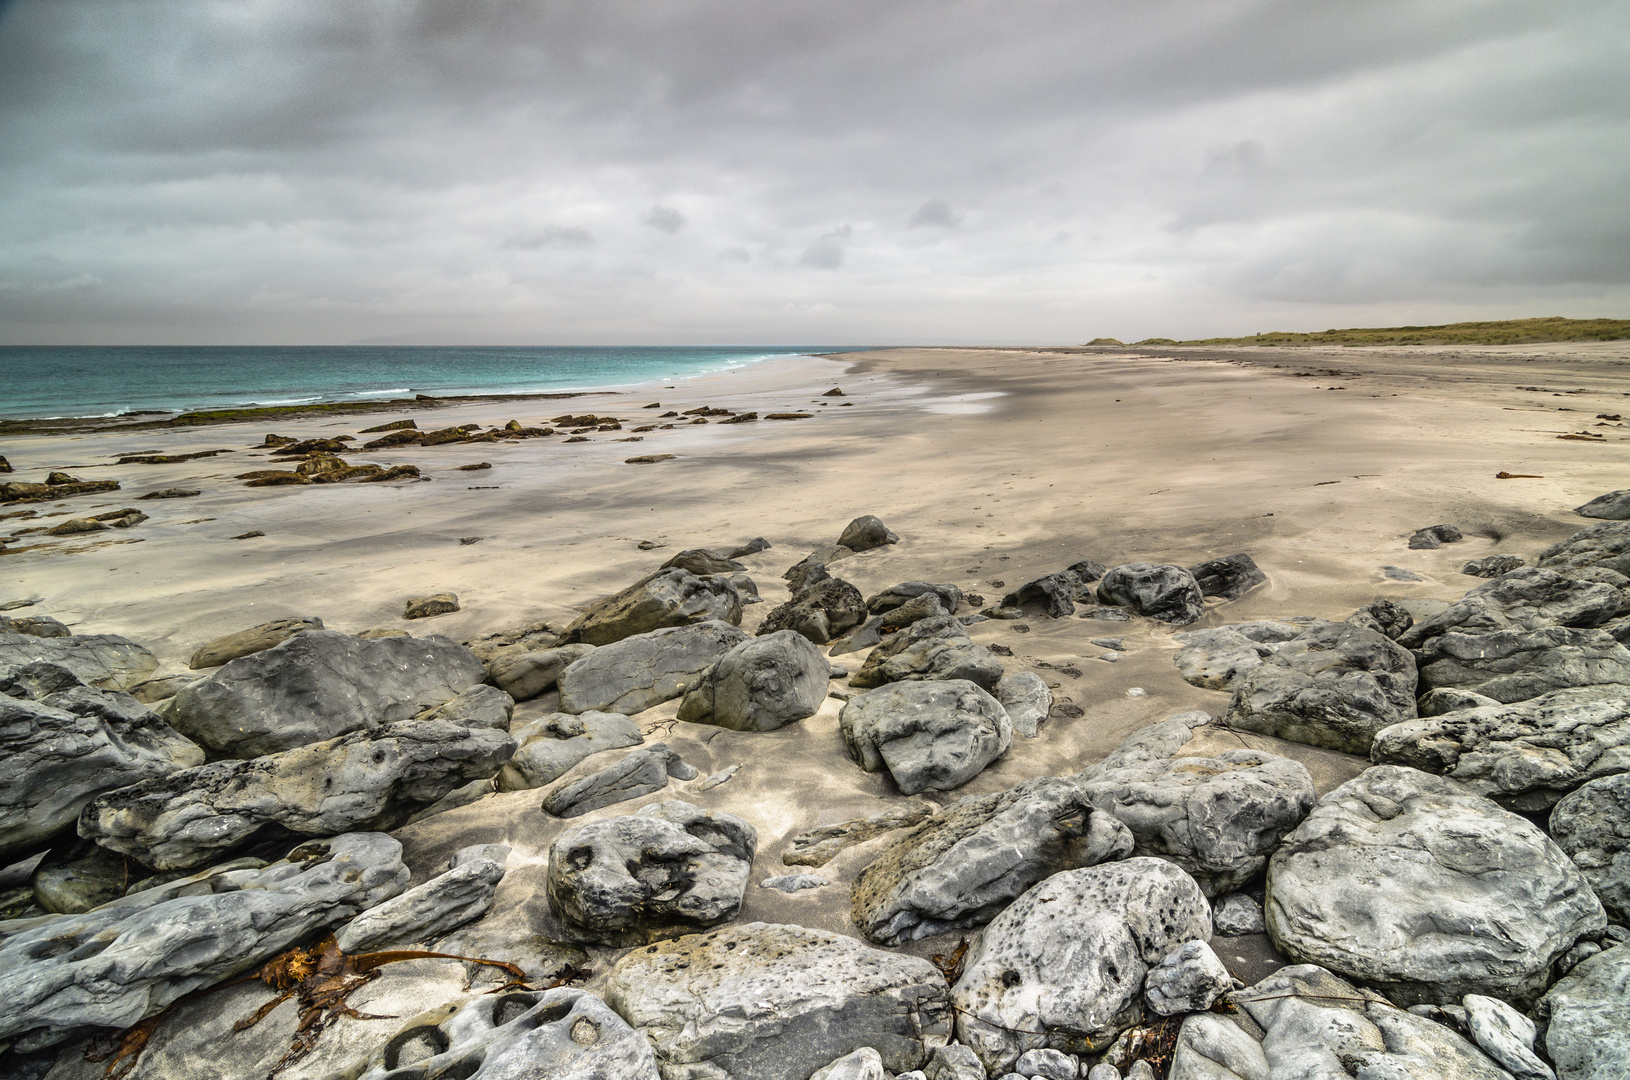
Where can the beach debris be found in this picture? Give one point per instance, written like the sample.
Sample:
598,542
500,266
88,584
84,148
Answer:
644,459
1517,476
1583,436
423,607
834,392
788,416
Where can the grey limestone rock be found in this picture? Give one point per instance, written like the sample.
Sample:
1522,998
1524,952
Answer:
1505,1035
638,672
479,706
819,846
126,960
703,562
928,735
761,684
1408,883
863,1064
1587,1015
668,870
770,1002
1027,699
1613,506
1515,665
950,597
37,626
1236,914
1493,566
1047,1065
1215,659
461,894
821,612
1189,979
1229,577
549,746
1159,591
1069,958
1384,617
953,1061
1446,700
1525,599
245,642
963,865
934,649
105,661
866,532
1593,826
361,781
1606,543
791,883
639,773
668,598
318,685
1055,594
525,675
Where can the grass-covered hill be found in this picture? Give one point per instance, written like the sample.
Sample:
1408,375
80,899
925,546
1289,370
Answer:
1501,332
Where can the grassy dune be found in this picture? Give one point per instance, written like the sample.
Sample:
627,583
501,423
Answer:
1501,332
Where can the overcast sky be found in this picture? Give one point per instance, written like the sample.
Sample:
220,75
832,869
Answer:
840,171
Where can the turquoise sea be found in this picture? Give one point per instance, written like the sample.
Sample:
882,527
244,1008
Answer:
107,381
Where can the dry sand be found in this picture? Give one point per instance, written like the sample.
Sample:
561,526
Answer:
992,465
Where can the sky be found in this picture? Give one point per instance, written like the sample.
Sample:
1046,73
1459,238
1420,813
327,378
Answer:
787,171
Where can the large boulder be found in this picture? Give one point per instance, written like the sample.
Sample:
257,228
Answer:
1056,594
761,684
1515,665
770,1002
668,870
1063,967
1604,544
969,861
1593,826
866,532
367,780
548,747
319,685
950,597
820,613
1229,577
56,755
935,649
1216,817
1587,1016
128,959
1158,591
635,673
928,735
1525,599
253,640
1407,882
639,773
1526,755
1613,506
672,597
1217,658
461,894
1333,685
105,661
1028,701
525,675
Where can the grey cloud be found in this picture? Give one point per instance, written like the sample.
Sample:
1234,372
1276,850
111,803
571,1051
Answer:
664,218
936,212
550,236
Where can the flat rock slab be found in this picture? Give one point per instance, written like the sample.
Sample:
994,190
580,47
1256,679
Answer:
672,597
1525,599
770,1002
638,672
253,640
1216,659
928,735
1588,1037
639,773
105,661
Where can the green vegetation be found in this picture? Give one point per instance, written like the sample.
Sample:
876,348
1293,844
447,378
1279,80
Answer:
1501,332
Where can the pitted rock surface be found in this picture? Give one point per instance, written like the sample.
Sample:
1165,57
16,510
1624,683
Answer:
824,610
1515,665
934,649
761,684
1525,599
928,735
1158,591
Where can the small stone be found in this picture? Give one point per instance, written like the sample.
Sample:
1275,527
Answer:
1236,915
1136,691
423,607
1398,573
793,882
1047,1064
1109,643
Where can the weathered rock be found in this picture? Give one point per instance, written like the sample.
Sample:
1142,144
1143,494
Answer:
1215,659
1526,599
1216,817
1027,700
318,685
126,960
459,895
966,863
1493,566
56,755
1505,1035
1047,1065
635,673
953,1061
1604,544
1187,980
1229,577
769,1002
1613,506
78,886
105,661
246,642
1588,1014
1054,594
1236,915
479,706
667,598
1069,958
1333,685
1524,756
1384,617
862,1064
811,569
525,675
1444,700
1593,826
549,746
950,597
365,780
820,613
1515,665
1406,882
1435,536
819,846
423,607
934,650
792,883
34,626
761,684
639,773
670,869
866,532
1167,593
928,735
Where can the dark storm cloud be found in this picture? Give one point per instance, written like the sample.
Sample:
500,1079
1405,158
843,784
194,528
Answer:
673,171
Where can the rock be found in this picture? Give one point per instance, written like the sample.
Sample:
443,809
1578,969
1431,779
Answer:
820,613
526,1035
1069,958
636,774
1576,955
1105,1071
1515,665
670,869
949,596
1189,979
79,886
1435,536
668,598
1055,594
1399,573
1167,593
761,684
963,865
77,525
791,883
928,735
933,650
863,1064
1406,882
1613,506
318,685
1593,826
1236,914
1027,700
708,783
1445,700
1588,1012
953,1061
525,675
1302,1021
811,570
1604,544
34,626
1047,1065
423,607
246,642
1493,566
1333,685
460,895
747,589
637,672
819,846
1215,659
365,780
1384,617
1525,756
1525,599
479,706
1216,817
56,755
1229,577
105,661
548,747
866,532
49,492
702,562
769,1002
1505,1035
126,960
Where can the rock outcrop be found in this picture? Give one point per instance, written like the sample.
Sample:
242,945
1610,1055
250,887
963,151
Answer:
1526,599
105,661
1216,659
822,611
1515,665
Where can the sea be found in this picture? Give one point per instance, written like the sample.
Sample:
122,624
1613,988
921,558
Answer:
40,382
